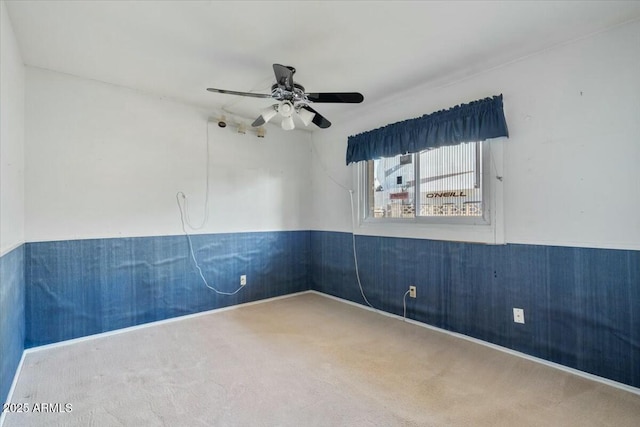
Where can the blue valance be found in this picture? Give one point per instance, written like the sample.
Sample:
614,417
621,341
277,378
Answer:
472,122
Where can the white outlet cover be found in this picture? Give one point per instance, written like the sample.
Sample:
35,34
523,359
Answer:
518,315
243,280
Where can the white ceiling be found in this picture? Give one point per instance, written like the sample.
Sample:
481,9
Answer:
176,49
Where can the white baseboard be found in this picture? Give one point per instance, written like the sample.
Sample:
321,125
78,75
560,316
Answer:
564,368
157,322
573,371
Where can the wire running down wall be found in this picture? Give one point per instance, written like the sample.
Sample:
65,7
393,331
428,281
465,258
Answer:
77,288
582,306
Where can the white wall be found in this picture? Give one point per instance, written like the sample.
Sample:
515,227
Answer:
571,174
12,83
106,161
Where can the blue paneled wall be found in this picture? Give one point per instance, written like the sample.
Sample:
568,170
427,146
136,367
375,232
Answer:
582,306
82,287
12,327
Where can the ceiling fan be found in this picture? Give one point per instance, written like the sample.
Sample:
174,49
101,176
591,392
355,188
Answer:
293,100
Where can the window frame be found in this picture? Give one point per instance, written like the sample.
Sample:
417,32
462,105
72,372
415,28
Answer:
488,228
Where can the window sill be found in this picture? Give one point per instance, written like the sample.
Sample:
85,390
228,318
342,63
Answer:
475,233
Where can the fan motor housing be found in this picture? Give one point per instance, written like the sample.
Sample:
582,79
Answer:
282,94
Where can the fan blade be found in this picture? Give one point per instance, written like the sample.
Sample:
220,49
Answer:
284,76
233,92
258,122
344,97
318,119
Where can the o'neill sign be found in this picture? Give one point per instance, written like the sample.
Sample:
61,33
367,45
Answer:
434,195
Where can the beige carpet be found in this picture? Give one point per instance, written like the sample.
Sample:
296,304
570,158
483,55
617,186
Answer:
305,361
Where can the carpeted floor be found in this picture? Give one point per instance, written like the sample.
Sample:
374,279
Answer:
306,360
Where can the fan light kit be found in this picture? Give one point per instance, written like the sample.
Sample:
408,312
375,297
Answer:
269,113
293,101
305,115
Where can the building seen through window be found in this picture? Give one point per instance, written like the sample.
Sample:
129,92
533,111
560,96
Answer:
440,182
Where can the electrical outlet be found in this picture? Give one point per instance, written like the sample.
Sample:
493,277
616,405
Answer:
243,280
518,315
412,291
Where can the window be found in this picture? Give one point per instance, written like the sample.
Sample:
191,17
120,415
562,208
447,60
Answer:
436,185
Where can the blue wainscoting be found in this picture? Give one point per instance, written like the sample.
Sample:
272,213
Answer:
83,287
12,323
582,306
